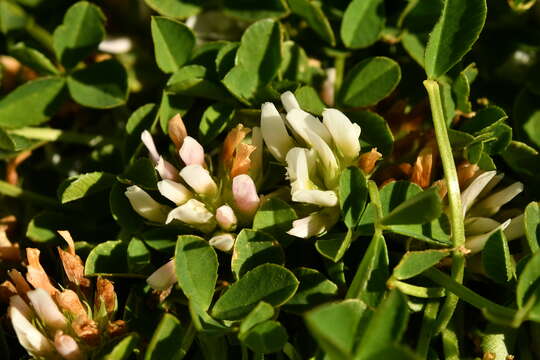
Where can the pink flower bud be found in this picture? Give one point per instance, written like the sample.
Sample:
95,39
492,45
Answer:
46,309
147,140
245,194
192,152
166,170
226,218
145,205
199,179
164,277
67,347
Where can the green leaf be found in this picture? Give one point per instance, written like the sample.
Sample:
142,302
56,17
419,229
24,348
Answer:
253,248
461,88
196,269
369,282
352,195
140,173
522,158
267,337
173,43
497,260
172,104
251,10
12,17
79,34
43,228
484,120
294,63
529,286
140,120
260,313
192,80
526,117
420,209
161,239
84,185
338,326
225,58
369,81
314,289
102,85
166,339
415,45
313,14
275,217
138,257
531,221
375,130
214,121
329,245
33,59
122,349
309,100
362,23
121,209
32,103
269,282
257,60
107,258
454,34
386,326
415,262
176,8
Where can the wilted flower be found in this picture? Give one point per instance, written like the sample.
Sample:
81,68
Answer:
52,323
316,154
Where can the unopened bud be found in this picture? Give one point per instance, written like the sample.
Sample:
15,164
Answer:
245,194
226,218
176,192
148,142
193,212
192,152
223,242
177,131
166,170
67,347
199,179
164,277
145,205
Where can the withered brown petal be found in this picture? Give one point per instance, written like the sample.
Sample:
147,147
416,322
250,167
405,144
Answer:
233,139
177,131
36,275
105,292
241,161
367,161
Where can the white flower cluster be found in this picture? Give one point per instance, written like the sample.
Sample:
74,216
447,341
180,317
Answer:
316,153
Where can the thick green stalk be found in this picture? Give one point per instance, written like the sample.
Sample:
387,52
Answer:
339,64
426,331
16,192
454,198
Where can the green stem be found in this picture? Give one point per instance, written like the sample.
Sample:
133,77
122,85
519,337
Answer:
339,64
187,340
468,295
49,134
454,198
426,331
450,344
414,290
16,192
376,201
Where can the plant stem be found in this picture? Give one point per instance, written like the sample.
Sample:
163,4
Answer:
376,201
16,192
49,134
414,290
468,295
339,64
187,340
428,325
40,35
454,198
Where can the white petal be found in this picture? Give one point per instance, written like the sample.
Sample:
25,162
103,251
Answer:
67,347
476,243
255,171
164,277
344,133
226,217
223,242
118,45
330,167
30,338
469,196
192,212
199,179
20,304
176,192
516,229
147,140
145,205
274,132
490,186
314,224
289,101
479,225
492,204
317,197
166,170
46,309
297,165
301,122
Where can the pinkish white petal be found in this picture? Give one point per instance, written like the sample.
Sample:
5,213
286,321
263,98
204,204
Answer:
192,152
67,347
148,141
199,179
166,170
145,205
176,192
226,218
245,194
274,132
344,133
29,337
46,309
223,242
164,277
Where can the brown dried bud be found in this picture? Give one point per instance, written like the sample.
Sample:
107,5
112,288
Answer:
7,290
466,172
86,330
69,301
36,275
73,265
105,294
422,171
367,161
241,161
233,139
20,283
177,131
116,328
